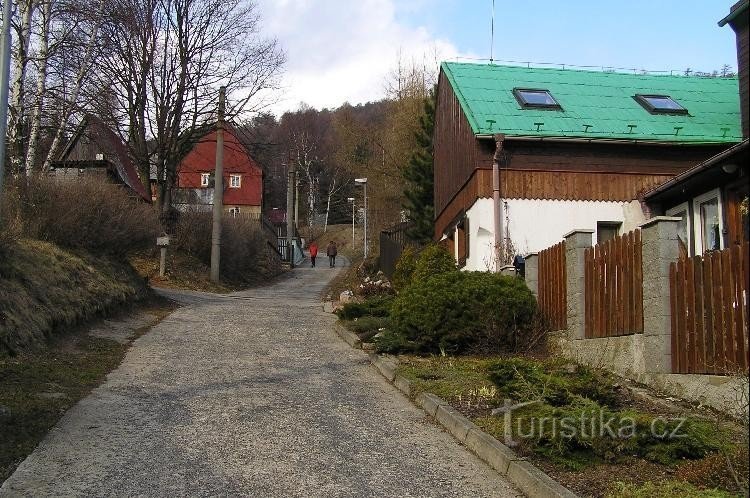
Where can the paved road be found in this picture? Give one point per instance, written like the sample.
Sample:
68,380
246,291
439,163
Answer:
250,394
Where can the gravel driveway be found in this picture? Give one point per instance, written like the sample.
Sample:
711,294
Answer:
250,394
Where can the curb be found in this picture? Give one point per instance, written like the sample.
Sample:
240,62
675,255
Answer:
348,336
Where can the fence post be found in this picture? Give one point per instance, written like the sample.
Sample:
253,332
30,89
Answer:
532,272
576,243
660,247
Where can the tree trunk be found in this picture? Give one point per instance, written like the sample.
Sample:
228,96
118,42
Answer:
41,88
16,107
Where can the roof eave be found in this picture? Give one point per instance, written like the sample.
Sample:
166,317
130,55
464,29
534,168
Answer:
705,165
734,14
598,140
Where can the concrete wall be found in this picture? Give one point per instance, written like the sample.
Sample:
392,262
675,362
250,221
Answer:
537,224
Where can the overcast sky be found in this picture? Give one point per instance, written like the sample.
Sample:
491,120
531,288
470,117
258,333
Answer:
341,50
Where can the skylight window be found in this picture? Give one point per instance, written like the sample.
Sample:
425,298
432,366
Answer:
530,98
660,104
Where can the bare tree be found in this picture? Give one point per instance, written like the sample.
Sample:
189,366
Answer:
167,61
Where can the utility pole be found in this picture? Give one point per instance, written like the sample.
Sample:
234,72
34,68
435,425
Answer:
296,200
290,217
5,47
218,190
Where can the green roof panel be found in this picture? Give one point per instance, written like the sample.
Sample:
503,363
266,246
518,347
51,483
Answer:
602,100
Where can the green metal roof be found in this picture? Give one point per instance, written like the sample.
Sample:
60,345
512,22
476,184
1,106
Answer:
603,100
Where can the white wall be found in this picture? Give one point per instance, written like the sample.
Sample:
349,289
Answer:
537,224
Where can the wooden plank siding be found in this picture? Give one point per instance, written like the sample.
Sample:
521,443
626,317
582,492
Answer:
708,302
614,287
526,184
552,295
457,152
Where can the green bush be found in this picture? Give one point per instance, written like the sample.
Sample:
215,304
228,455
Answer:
456,311
405,266
379,306
433,260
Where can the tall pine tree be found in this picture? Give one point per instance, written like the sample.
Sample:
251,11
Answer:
420,199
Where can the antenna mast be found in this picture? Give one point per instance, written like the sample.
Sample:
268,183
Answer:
492,33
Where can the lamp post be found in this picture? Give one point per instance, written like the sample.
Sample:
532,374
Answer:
363,182
351,199
4,77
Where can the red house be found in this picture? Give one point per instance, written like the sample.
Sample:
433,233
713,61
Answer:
243,178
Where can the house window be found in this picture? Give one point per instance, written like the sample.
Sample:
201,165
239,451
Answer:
530,98
685,235
660,104
708,225
205,179
234,212
607,230
235,181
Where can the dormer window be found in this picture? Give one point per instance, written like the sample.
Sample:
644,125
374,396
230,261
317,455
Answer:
660,104
534,98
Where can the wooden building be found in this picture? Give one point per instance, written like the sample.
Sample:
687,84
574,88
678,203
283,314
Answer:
573,149
243,178
96,150
712,197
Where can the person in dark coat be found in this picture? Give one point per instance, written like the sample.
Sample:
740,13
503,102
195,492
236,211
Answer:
313,253
331,251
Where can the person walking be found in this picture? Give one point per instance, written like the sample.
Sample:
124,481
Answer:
313,253
331,251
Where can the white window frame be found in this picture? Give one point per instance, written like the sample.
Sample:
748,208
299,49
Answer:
232,178
205,179
234,211
697,201
685,206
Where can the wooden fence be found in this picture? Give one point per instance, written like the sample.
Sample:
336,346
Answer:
614,287
709,306
553,287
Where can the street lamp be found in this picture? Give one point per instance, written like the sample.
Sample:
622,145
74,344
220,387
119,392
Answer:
351,199
363,182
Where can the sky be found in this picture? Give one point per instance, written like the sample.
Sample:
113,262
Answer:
343,50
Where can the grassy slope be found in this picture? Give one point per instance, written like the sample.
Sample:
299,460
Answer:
36,388
44,288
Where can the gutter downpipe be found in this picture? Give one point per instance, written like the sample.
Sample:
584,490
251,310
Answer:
497,202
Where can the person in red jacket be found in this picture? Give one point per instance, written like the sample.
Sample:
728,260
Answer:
313,253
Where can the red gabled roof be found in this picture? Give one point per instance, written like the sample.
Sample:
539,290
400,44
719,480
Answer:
237,160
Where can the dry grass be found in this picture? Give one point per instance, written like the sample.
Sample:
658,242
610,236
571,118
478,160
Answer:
88,214
246,258
44,289
183,271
